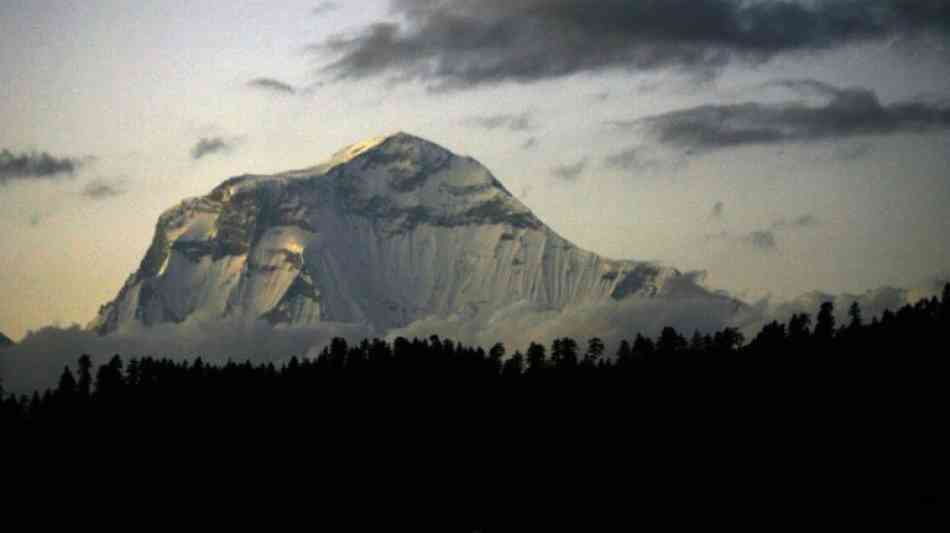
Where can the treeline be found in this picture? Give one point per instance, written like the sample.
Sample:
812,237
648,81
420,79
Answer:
912,339
841,408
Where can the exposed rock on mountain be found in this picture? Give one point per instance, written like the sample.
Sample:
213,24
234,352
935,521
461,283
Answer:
387,232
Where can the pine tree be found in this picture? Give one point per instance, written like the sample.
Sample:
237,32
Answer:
495,356
643,347
564,353
771,338
854,312
624,353
798,330
66,389
945,304
514,366
670,342
537,357
825,323
728,340
595,349
85,376
109,377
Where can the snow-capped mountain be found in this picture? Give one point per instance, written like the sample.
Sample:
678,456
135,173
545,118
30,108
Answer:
386,232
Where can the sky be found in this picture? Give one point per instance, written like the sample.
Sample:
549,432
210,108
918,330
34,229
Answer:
780,146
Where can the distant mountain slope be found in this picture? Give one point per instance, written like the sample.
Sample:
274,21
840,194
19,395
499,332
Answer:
387,232
5,342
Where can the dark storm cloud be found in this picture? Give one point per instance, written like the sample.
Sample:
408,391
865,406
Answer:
465,43
35,165
570,172
508,121
211,145
325,7
847,113
272,85
102,190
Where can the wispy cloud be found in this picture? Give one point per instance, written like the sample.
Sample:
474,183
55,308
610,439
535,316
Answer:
639,158
325,7
804,221
272,85
570,172
102,189
36,165
851,152
765,239
212,145
846,113
509,121
762,239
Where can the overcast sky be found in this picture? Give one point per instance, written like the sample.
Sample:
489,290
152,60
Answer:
780,146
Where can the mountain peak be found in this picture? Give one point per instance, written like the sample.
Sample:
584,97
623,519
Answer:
399,140
390,230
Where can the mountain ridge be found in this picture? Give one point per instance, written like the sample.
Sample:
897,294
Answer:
387,231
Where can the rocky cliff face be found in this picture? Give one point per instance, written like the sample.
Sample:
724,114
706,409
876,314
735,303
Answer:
387,232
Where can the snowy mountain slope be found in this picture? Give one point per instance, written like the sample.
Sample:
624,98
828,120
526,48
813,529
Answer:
387,232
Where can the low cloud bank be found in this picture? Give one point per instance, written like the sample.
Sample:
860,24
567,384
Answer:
523,323
38,360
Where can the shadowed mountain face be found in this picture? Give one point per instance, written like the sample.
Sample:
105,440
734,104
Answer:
389,231
5,341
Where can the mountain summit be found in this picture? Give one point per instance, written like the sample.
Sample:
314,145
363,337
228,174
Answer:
386,232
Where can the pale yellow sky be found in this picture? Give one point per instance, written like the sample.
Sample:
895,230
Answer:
131,88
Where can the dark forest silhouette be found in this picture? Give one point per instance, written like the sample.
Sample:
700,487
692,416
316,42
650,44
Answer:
797,395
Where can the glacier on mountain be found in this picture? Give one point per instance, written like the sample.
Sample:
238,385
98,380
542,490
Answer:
386,233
